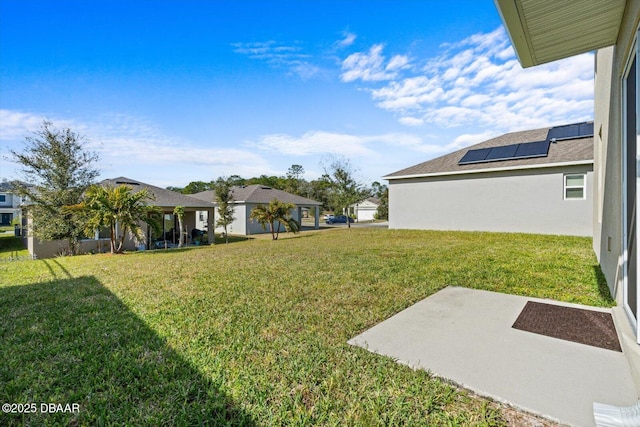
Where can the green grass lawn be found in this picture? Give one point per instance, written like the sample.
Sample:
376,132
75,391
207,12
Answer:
255,332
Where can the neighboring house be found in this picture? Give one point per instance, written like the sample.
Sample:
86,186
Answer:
543,31
245,198
9,204
168,236
365,210
535,181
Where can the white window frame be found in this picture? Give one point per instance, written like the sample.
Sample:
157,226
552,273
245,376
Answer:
569,187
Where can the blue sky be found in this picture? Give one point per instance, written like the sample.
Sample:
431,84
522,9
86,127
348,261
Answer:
169,92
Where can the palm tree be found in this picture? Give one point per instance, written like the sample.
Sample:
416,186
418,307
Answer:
118,207
224,199
179,212
276,212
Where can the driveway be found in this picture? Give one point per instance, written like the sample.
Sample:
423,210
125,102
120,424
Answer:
384,224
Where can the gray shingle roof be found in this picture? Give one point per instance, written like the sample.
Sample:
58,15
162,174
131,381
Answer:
578,150
163,198
259,194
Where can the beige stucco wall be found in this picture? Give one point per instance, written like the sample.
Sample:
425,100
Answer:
607,222
526,201
50,249
610,65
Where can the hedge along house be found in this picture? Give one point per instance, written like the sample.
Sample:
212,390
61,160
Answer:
168,235
536,181
543,31
247,197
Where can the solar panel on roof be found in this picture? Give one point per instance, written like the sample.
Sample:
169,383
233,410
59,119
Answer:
533,149
562,132
475,156
577,130
528,149
506,152
502,153
586,129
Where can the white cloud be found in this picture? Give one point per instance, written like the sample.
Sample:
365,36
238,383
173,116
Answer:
398,62
343,144
278,55
411,121
138,148
408,94
468,139
15,125
477,83
269,50
347,40
315,142
304,70
132,140
475,100
370,66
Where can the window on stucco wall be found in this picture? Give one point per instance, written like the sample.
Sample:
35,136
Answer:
575,186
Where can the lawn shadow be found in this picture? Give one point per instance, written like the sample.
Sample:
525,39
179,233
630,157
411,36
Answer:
71,341
603,288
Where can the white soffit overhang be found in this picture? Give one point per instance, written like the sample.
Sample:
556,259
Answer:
547,30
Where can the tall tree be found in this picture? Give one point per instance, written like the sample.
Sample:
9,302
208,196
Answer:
273,215
192,188
119,209
236,180
378,190
196,187
319,189
345,189
295,176
224,198
270,181
383,208
60,170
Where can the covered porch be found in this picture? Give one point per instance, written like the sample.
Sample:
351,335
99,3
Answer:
168,235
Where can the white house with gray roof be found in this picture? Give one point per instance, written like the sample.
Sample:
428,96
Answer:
167,201
9,204
365,210
247,197
534,181
167,236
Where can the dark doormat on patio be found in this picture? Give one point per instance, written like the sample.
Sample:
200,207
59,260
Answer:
589,327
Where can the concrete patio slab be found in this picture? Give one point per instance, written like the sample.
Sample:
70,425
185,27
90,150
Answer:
465,336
